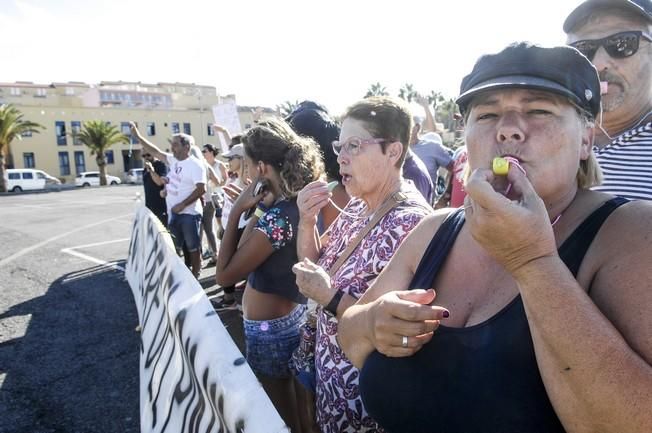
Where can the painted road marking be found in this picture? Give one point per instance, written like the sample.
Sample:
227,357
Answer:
97,244
52,239
92,259
95,260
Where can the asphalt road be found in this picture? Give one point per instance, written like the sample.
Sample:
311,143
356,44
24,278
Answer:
69,348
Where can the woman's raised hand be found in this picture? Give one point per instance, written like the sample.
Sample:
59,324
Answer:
311,199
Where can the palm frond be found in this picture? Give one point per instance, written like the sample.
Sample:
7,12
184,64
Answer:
13,126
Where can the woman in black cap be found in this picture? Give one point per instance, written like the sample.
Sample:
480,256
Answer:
543,287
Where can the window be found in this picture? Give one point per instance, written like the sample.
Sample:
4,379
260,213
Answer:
75,128
28,160
40,175
175,127
186,129
26,134
151,129
41,93
126,130
14,176
15,91
64,164
108,155
60,131
28,175
80,162
70,91
210,130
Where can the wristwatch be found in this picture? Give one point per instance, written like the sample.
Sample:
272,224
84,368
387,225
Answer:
334,303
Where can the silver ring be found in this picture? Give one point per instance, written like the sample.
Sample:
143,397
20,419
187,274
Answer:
404,343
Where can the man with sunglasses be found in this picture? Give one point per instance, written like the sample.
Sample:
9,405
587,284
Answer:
616,35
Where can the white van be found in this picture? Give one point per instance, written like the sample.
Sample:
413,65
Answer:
92,178
29,179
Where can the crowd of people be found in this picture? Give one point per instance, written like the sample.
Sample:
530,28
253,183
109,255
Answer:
512,301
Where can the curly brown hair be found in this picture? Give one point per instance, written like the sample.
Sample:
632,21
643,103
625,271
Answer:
297,159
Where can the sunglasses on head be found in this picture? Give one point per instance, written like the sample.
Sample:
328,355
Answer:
618,46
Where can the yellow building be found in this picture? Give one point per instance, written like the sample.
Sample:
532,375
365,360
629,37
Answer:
159,110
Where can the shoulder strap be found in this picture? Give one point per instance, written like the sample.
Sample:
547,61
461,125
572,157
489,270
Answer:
437,250
573,250
394,200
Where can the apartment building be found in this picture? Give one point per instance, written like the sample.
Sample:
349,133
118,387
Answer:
159,110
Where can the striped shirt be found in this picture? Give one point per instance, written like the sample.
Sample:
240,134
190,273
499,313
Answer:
627,164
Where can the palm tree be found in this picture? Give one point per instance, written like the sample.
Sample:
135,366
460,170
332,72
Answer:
435,98
99,136
12,127
407,92
376,89
286,108
446,113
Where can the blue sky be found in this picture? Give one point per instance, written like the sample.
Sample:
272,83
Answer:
267,52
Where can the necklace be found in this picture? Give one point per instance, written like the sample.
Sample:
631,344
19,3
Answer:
517,164
359,216
643,119
604,131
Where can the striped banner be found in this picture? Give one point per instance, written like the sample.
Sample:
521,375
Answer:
193,378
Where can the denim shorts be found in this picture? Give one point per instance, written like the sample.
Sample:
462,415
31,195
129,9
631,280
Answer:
185,229
270,343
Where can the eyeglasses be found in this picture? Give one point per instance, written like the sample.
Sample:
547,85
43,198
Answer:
618,46
353,145
146,155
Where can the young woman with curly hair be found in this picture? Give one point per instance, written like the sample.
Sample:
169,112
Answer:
280,163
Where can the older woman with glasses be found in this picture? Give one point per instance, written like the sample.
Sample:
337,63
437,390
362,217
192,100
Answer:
373,142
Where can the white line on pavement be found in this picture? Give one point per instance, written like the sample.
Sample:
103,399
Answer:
97,244
52,239
92,259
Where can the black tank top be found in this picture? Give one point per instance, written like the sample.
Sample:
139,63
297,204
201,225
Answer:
479,379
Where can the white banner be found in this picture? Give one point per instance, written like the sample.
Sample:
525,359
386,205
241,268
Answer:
193,378
226,115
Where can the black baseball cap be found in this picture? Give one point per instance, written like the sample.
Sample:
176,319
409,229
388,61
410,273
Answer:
640,7
561,70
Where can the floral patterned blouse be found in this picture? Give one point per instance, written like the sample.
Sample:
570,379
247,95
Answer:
339,406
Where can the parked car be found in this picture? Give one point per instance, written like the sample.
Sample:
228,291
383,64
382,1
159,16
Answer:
135,175
29,179
92,178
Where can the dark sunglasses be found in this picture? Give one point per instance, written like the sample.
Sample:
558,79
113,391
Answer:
618,46
146,155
